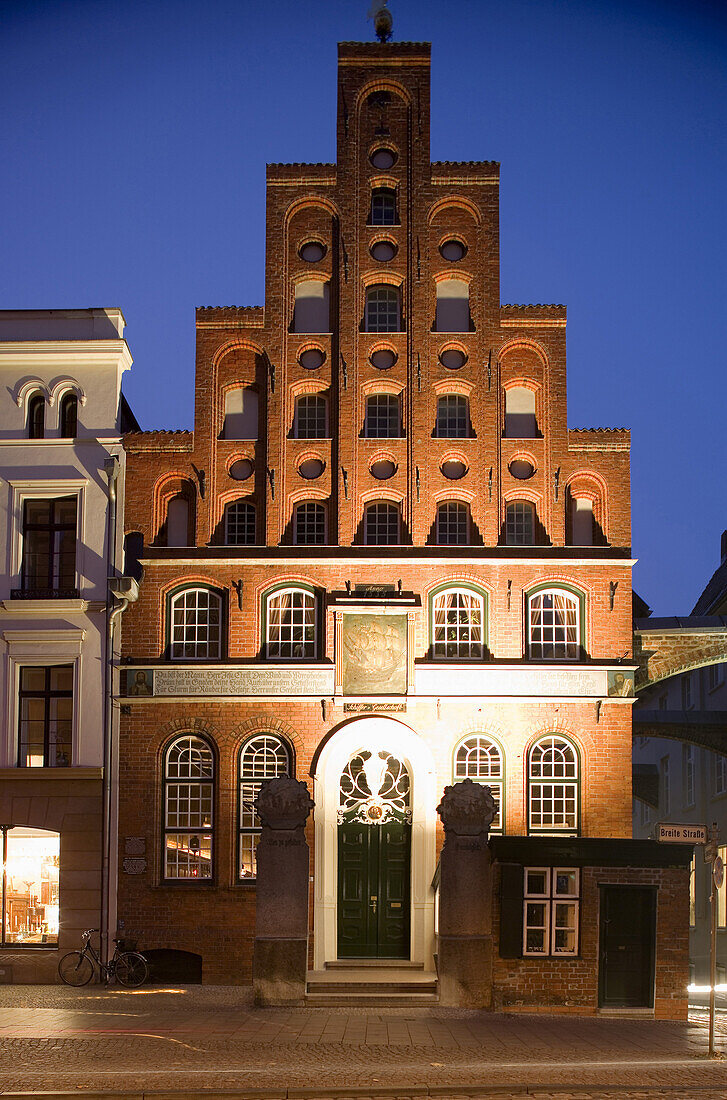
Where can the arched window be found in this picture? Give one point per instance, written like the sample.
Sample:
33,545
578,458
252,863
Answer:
310,417
68,417
383,207
520,422
309,524
519,523
459,624
241,413
264,756
36,416
381,524
581,521
189,789
312,311
453,417
453,306
553,786
554,625
383,419
479,759
178,521
291,625
453,524
240,526
195,625
382,309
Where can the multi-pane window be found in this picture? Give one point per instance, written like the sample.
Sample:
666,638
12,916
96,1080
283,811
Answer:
458,628
554,625
480,760
264,756
195,629
720,773
715,676
310,417
689,769
49,548
36,416
189,776
453,416
382,416
29,887
309,524
453,521
519,523
240,527
68,417
45,731
383,207
552,786
550,911
382,309
291,624
381,524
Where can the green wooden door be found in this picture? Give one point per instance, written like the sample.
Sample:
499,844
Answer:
373,890
627,943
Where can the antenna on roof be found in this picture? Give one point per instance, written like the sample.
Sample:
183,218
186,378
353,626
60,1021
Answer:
383,22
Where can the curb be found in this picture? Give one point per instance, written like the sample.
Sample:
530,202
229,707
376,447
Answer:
450,1091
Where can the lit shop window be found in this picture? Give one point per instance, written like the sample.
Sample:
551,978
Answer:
31,858
189,773
551,911
262,757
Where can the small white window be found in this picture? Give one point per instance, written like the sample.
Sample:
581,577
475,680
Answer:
520,422
195,625
550,911
312,307
241,413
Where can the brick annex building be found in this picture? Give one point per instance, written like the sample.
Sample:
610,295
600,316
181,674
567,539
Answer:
382,562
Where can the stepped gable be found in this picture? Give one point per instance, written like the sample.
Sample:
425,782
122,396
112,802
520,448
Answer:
180,439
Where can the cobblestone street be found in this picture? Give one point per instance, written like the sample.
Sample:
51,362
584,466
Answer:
194,1040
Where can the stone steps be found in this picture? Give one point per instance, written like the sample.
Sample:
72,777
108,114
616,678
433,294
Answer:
372,984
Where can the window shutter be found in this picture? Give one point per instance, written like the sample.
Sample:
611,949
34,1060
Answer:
511,911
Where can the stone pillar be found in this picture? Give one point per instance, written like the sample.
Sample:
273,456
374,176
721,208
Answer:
465,897
280,957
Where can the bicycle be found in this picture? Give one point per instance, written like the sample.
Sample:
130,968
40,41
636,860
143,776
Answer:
78,967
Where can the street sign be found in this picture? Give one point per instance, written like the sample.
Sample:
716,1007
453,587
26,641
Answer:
718,872
672,833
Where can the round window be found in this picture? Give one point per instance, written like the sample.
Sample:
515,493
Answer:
383,250
383,358
312,358
312,251
241,470
383,469
452,250
453,469
452,358
310,468
383,158
521,468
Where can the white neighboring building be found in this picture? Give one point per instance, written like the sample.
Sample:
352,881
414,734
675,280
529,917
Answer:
62,495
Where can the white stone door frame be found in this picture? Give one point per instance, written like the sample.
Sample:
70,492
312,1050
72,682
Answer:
375,735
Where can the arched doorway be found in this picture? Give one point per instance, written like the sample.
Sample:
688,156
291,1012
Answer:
399,844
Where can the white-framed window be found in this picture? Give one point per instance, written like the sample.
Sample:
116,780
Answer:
458,624
309,524
553,791
383,207
689,766
382,309
519,523
720,773
311,420
687,692
195,625
189,787
554,625
453,523
265,756
665,785
551,903
381,524
453,417
480,759
291,624
715,677
645,812
240,523
383,416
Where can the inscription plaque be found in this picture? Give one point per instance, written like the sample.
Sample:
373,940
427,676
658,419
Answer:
135,846
134,866
243,681
441,680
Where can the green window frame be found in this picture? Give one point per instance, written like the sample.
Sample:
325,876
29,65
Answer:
188,809
289,631
196,622
554,786
481,758
262,757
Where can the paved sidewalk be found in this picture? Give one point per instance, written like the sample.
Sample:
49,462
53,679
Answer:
190,1040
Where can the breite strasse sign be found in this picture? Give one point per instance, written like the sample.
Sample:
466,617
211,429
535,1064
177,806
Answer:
681,834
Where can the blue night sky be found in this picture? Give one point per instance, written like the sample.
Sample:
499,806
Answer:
135,137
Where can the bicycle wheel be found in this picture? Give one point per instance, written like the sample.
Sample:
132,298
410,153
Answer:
131,968
75,968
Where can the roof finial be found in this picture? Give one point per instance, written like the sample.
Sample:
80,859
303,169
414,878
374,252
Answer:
383,22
